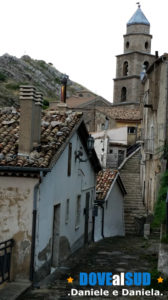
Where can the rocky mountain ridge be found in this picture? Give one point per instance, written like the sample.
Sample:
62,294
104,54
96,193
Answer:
27,71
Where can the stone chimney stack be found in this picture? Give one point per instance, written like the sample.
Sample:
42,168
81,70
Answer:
37,118
27,110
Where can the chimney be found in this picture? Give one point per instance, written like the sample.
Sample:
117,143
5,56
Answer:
37,118
27,108
62,106
63,88
156,54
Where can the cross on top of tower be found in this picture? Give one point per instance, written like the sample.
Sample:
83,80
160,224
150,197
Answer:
139,5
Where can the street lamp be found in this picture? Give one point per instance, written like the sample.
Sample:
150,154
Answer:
90,143
90,147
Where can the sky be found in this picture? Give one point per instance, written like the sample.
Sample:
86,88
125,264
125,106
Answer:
80,37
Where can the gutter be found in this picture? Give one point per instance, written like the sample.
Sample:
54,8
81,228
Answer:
24,169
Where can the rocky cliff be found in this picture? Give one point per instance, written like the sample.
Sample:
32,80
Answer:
27,71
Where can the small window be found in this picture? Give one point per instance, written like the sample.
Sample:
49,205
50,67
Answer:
69,159
78,212
146,45
132,130
67,212
146,65
123,94
125,68
127,45
111,151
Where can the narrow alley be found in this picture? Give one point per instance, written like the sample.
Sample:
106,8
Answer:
116,255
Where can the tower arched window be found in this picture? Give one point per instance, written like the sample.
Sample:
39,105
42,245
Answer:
125,68
123,94
146,45
127,44
146,65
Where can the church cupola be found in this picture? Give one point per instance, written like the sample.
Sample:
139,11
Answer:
138,18
138,36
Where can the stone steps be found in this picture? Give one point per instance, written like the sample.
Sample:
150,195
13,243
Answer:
133,204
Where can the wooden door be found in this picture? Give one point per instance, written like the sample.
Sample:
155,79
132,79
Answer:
56,236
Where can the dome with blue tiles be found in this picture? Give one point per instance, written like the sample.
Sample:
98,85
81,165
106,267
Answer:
138,18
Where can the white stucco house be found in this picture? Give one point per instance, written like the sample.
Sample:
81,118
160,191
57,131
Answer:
109,216
111,146
47,186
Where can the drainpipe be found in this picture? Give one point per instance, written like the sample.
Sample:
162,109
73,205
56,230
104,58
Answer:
102,207
36,188
93,227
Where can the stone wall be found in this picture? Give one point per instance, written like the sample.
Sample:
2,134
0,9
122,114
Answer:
16,207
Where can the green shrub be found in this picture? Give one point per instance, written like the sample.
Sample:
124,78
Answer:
45,104
2,77
57,80
164,239
160,206
13,86
159,214
42,64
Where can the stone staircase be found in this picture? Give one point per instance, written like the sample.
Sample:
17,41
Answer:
133,203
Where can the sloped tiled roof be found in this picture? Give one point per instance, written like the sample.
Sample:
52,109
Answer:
84,99
73,101
119,113
104,182
55,129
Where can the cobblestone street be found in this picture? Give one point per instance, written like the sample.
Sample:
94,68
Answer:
129,254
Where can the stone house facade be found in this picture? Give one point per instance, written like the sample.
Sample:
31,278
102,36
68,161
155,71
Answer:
154,125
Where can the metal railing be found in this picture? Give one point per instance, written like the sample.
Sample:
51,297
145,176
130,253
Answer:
5,259
132,148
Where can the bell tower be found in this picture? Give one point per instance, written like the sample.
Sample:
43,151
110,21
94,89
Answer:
137,55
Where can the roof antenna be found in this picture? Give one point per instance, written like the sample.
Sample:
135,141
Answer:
139,5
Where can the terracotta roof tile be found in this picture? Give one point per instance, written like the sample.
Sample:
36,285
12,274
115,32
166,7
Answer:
119,113
104,181
55,129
